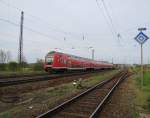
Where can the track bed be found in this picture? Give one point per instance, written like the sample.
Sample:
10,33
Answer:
88,103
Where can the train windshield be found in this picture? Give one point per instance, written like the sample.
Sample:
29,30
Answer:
49,60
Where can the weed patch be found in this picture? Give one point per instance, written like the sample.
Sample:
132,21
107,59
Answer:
148,105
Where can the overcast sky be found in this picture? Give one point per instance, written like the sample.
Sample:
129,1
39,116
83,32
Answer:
47,22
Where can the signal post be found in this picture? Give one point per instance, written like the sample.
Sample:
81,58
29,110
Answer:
141,38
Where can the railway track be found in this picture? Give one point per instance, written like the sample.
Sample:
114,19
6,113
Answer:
89,103
22,80
21,75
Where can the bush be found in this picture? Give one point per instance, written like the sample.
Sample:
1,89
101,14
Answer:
38,66
13,66
3,67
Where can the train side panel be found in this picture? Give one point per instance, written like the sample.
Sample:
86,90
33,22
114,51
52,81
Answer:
61,61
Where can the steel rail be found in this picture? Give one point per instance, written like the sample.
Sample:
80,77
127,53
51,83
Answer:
101,105
56,109
18,75
5,82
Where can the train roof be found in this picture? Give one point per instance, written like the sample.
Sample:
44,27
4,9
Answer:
73,56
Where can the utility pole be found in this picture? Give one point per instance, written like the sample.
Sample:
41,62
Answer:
83,37
112,60
20,54
93,51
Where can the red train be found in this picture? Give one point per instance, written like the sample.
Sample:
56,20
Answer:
56,61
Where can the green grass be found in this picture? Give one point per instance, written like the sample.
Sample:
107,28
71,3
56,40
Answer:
143,95
6,115
146,81
146,87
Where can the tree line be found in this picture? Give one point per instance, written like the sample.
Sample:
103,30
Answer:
6,63
5,57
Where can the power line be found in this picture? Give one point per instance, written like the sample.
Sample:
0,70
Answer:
110,23
74,34
36,17
40,33
49,26
110,18
27,13
105,17
8,21
37,32
34,31
43,21
27,28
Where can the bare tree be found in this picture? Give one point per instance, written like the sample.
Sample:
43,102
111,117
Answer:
3,56
8,55
24,59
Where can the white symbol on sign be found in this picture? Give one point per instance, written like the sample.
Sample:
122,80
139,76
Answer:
141,38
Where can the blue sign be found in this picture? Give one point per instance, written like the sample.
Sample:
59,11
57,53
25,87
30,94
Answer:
141,38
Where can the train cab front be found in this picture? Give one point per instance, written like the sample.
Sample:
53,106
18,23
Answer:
48,63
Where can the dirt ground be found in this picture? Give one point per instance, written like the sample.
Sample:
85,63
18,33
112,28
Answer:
121,104
31,104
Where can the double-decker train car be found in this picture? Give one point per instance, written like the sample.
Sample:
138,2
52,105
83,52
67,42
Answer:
56,61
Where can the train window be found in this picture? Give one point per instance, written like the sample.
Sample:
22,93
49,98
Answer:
49,60
60,60
65,61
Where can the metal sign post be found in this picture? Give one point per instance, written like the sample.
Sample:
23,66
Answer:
141,38
142,66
